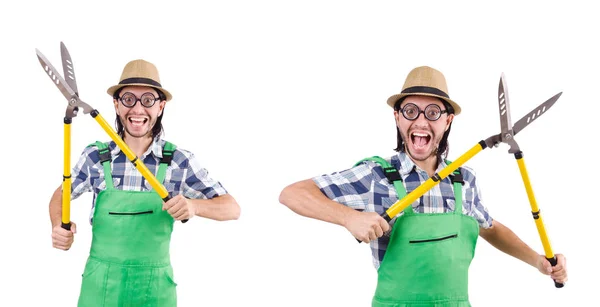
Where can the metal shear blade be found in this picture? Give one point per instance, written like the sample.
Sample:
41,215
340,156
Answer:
68,69
508,131
56,78
535,114
67,87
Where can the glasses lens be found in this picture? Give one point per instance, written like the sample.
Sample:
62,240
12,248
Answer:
433,112
128,99
148,100
410,111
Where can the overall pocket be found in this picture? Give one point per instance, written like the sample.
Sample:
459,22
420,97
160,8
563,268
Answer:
93,284
131,213
434,239
169,276
167,294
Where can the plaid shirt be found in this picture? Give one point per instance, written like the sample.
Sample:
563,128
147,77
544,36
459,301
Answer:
365,188
183,176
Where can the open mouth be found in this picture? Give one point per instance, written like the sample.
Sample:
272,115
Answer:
137,121
420,139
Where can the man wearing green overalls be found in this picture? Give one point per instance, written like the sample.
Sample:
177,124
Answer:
424,259
129,261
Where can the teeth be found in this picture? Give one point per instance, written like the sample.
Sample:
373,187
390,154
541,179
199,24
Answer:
420,134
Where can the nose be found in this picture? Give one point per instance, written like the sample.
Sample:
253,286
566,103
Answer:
421,117
138,106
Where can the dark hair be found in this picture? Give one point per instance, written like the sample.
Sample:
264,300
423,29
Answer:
443,147
156,130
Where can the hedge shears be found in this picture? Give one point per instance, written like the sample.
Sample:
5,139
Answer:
506,135
68,87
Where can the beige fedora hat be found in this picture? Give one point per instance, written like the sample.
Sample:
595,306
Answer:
425,81
139,73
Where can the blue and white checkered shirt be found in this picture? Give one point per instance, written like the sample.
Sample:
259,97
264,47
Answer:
184,175
366,188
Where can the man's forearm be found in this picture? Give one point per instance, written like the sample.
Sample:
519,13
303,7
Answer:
220,208
502,238
305,198
55,207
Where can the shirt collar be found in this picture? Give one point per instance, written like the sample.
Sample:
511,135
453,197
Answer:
407,165
155,148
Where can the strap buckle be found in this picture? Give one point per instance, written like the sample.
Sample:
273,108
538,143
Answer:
167,156
104,154
457,177
392,174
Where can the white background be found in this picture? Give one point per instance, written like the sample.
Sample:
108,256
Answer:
269,93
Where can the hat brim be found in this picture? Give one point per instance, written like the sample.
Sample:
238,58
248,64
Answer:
394,98
111,90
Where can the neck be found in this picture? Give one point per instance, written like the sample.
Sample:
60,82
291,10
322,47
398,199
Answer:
429,165
138,145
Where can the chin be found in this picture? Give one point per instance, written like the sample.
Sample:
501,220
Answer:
422,156
139,134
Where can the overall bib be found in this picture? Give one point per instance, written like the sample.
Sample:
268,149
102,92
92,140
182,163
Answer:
427,260
129,262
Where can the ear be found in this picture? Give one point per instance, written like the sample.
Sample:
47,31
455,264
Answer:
161,107
116,104
449,121
396,116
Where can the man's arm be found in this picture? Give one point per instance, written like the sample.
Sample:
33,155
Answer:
55,207
220,208
306,199
505,240
61,238
200,195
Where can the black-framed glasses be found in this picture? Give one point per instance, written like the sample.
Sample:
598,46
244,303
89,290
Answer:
432,112
129,99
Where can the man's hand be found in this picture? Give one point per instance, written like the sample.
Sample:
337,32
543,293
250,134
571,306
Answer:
366,226
62,238
557,272
180,208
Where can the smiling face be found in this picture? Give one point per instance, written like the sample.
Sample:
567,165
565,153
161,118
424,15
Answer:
422,136
138,120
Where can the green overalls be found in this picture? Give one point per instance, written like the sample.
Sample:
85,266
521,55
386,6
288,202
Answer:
427,260
129,262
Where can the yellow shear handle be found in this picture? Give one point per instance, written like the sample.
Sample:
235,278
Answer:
160,189
537,217
66,184
406,201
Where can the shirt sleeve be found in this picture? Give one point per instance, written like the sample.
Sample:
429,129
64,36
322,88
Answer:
478,210
198,184
83,173
349,187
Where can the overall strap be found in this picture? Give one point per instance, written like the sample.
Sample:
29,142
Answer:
167,157
457,182
105,159
392,175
